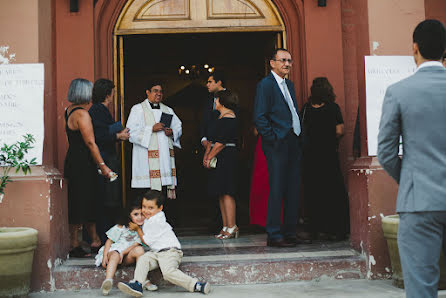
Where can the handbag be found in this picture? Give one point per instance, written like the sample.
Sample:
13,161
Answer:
213,163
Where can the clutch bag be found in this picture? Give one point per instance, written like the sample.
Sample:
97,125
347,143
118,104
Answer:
213,163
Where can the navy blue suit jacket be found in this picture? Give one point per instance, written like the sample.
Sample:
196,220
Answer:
272,115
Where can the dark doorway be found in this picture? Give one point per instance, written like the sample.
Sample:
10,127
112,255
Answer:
242,57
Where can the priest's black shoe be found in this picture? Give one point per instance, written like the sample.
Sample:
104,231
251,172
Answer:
279,243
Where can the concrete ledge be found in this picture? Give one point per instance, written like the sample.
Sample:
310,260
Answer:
39,201
228,271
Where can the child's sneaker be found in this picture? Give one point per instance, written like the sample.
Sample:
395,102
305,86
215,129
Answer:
202,287
107,286
149,286
133,288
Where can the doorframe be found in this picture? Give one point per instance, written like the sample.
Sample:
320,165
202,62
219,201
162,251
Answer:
109,50
291,12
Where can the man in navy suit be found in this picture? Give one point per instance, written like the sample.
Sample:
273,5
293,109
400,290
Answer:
277,121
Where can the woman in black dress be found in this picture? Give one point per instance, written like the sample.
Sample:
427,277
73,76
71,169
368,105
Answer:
326,199
222,148
106,136
81,166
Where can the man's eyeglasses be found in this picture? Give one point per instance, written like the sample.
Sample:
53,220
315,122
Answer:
283,60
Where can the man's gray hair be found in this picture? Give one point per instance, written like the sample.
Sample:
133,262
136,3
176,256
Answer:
80,91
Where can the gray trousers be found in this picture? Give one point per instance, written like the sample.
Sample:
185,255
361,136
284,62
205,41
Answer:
421,236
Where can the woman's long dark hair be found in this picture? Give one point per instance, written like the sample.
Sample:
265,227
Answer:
321,91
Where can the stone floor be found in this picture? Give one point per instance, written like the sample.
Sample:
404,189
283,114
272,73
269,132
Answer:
303,289
245,260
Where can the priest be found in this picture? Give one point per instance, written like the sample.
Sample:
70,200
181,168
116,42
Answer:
154,131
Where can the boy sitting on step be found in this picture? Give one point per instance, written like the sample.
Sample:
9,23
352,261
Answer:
165,250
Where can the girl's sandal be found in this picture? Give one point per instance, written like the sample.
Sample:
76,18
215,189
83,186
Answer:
78,252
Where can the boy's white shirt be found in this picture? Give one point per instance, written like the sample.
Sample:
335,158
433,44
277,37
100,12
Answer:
158,234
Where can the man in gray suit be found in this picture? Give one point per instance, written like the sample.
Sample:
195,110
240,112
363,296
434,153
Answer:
415,108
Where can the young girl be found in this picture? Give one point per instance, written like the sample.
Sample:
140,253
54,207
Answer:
123,246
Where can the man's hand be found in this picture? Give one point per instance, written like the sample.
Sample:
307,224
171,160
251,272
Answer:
168,131
158,127
133,226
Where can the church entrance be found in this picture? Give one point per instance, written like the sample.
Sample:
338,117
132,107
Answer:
242,57
180,43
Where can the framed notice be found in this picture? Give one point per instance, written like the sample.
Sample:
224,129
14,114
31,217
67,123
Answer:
380,73
21,105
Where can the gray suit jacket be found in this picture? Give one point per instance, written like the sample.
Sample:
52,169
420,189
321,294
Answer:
415,108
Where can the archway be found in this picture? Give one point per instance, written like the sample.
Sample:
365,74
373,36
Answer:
172,22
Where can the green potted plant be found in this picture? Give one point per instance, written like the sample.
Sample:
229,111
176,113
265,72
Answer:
17,244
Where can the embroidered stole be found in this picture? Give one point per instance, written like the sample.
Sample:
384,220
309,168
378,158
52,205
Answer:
153,152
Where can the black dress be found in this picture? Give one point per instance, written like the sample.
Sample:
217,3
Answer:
326,199
109,192
81,174
223,179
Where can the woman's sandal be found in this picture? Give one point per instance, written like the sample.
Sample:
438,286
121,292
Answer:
222,232
78,252
231,233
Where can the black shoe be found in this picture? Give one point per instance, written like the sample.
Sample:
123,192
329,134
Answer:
79,252
131,288
279,243
202,287
297,240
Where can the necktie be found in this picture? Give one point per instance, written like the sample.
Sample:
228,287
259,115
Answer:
295,117
154,105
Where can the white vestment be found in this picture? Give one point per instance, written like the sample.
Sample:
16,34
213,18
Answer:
140,135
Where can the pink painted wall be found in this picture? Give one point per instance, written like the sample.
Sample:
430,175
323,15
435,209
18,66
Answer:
388,26
37,200
391,24
435,9
74,44
324,50
24,15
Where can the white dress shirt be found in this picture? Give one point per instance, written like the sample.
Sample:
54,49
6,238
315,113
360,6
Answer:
158,234
286,94
430,63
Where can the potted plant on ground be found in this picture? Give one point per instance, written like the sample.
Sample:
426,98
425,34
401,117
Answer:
17,244
390,228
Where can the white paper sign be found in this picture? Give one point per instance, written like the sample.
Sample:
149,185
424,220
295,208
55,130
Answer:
21,105
380,73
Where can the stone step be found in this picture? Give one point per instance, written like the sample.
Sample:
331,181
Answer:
246,260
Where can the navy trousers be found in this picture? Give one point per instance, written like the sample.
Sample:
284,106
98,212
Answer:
283,159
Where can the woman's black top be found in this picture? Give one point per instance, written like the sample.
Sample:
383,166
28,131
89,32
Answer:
326,199
109,192
102,119
223,179
81,174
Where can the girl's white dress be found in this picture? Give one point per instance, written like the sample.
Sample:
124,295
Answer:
122,238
